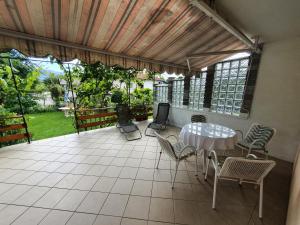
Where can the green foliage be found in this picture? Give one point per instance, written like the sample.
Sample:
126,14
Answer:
52,83
142,96
117,96
26,75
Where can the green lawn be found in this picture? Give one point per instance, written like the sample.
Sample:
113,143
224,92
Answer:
49,124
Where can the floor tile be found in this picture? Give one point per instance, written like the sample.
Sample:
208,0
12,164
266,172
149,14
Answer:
133,162
107,220
14,193
52,180
66,168
35,178
104,160
19,177
31,196
112,171
10,213
38,165
114,205
186,212
92,202
56,217
128,172
86,183
96,170
7,173
161,210
52,166
137,207
122,186
162,175
71,200
142,188
145,174
209,216
118,161
81,169
68,181
148,163
101,161
128,221
158,223
51,198
104,184
31,217
5,187
81,219
162,189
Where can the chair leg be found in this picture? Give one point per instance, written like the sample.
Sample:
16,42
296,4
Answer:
261,191
206,170
215,190
177,164
196,155
204,161
158,160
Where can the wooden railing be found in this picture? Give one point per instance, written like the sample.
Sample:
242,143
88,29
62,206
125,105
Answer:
15,131
102,117
95,118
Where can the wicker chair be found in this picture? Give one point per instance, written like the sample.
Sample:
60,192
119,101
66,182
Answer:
197,118
177,151
257,139
243,170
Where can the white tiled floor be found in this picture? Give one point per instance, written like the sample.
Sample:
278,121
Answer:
99,178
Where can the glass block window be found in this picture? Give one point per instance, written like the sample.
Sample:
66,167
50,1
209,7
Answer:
177,93
161,93
197,90
228,87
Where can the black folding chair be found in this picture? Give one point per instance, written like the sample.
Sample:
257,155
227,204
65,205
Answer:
125,123
160,121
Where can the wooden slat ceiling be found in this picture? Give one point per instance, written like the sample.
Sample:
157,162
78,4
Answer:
164,30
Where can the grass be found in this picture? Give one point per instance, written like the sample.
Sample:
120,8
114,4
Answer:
49,124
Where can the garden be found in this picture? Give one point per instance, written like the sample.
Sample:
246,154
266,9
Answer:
51,97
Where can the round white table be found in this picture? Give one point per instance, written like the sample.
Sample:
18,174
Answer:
207,136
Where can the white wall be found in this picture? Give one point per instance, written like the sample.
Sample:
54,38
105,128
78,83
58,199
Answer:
276,100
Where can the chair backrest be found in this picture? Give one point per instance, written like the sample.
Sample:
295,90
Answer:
258,131
123,114
162,113
197,118
246,169
166,146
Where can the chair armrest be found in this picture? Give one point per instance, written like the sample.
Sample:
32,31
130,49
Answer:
174,136
187,147
253,143
249,156
240,132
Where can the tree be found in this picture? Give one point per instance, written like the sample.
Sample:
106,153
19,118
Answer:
26,75
52,83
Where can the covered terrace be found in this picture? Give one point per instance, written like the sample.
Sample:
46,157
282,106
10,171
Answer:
99,177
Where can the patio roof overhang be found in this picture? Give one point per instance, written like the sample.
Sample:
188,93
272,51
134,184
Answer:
157,35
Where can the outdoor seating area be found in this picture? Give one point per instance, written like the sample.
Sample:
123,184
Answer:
158,112
100,178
